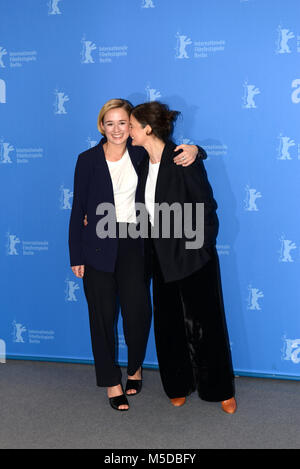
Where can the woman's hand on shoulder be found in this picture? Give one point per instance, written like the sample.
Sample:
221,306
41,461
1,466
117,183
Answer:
187,156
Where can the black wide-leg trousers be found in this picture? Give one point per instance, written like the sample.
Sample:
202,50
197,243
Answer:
191,334
103,290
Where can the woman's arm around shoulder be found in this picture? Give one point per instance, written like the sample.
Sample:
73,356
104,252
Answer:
188,154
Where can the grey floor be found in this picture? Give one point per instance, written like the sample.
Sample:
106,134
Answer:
57,405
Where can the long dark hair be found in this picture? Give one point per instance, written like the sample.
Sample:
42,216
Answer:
158,115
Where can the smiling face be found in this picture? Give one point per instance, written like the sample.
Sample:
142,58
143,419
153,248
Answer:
115,125
138,134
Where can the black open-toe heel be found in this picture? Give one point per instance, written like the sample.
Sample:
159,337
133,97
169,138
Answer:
135,384
115,402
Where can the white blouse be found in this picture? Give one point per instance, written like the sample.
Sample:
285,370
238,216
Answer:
124,180
150,190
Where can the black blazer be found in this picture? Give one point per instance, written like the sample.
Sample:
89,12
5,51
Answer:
92,186
183,185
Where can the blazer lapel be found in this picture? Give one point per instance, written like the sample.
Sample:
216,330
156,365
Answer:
137,155
102,173
134,159
163,173
142,174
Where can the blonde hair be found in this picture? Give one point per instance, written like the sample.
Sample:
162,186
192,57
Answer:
112,104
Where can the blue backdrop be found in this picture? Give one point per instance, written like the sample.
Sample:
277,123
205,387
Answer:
232,68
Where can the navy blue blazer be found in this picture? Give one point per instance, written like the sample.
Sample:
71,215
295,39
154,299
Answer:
92,186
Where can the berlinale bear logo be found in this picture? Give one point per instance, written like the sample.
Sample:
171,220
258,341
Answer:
60,100
250,200
87,48
285,143
2,92
284,35
12,241
2,53
148,4
5,150
296,94
53,7
248,98
18,331
182,43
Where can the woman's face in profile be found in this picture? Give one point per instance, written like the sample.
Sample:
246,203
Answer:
116,126
137,133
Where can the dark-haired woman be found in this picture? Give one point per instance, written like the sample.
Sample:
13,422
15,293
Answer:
112,267
189,321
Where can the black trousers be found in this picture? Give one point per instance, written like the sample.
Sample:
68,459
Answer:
103,290
191,334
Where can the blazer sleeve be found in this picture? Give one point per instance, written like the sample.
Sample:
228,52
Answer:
79,209
202,155
200,190
197,183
